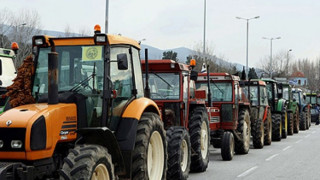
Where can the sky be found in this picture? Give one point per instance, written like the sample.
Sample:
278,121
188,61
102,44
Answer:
167,24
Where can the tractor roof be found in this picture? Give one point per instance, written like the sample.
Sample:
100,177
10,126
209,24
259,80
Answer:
218,76
68,41
165,65
254,82
268,80
6,52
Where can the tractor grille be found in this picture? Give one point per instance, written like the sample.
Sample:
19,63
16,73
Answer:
9,134
214,119
226,113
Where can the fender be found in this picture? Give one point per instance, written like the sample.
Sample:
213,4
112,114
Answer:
265,115
103,136
280,105
136,108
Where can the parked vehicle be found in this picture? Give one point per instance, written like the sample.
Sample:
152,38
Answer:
311,99
260,112
171,85
292,108
230,127
304,109
278,110
86,125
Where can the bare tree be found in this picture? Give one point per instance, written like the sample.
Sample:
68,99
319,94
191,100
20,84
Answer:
68,31
24,26
5,16
84,31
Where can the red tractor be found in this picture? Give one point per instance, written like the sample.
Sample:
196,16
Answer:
230,123
172,86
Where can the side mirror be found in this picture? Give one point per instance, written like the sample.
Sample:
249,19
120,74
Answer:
294,100
194,75
279,95
122,61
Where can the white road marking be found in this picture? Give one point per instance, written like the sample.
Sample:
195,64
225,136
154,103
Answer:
271,157
247,171
307,135
299,141
288,147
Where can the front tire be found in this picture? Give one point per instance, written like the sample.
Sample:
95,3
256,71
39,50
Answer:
268,129
303,121
179,153
276,127
242,145
149,159
227,146
258,134
200,139
290,123
88,162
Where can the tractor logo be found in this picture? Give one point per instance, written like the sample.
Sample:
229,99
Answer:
8,123
92,53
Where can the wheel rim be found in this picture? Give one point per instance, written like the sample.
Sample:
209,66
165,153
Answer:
155,156
232,146
100,173
204,139
184,155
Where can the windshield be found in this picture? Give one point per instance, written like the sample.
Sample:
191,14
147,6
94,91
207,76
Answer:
76,66
285,93
254,95
164,86
269,90
311,99
318,100
220,91
296,96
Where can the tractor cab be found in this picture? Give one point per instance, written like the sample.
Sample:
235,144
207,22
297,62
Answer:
7,73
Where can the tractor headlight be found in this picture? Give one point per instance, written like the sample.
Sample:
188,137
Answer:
16,144
1,143
38,42
100,38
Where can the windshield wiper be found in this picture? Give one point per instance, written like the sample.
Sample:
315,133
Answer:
162,79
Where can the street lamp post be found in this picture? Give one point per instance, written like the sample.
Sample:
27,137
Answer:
271,39
107,16
247,51
287,65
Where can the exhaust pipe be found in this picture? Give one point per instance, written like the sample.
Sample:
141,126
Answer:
53,78
209,91
147,88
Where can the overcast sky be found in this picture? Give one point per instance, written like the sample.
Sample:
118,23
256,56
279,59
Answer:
179,23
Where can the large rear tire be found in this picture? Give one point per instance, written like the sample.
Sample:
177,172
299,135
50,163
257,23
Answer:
88,162
149,159
200,139
268,129
179,153
276,127
242,145
258,134
227,146
296,120
290,123
284,121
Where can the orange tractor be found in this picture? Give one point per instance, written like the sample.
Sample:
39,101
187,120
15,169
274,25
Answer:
172,86
90,120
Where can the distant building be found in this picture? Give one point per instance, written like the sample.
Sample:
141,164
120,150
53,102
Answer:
298,79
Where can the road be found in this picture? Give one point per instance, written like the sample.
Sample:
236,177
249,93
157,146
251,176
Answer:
297,157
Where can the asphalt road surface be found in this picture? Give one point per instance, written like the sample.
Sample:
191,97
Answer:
297,157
